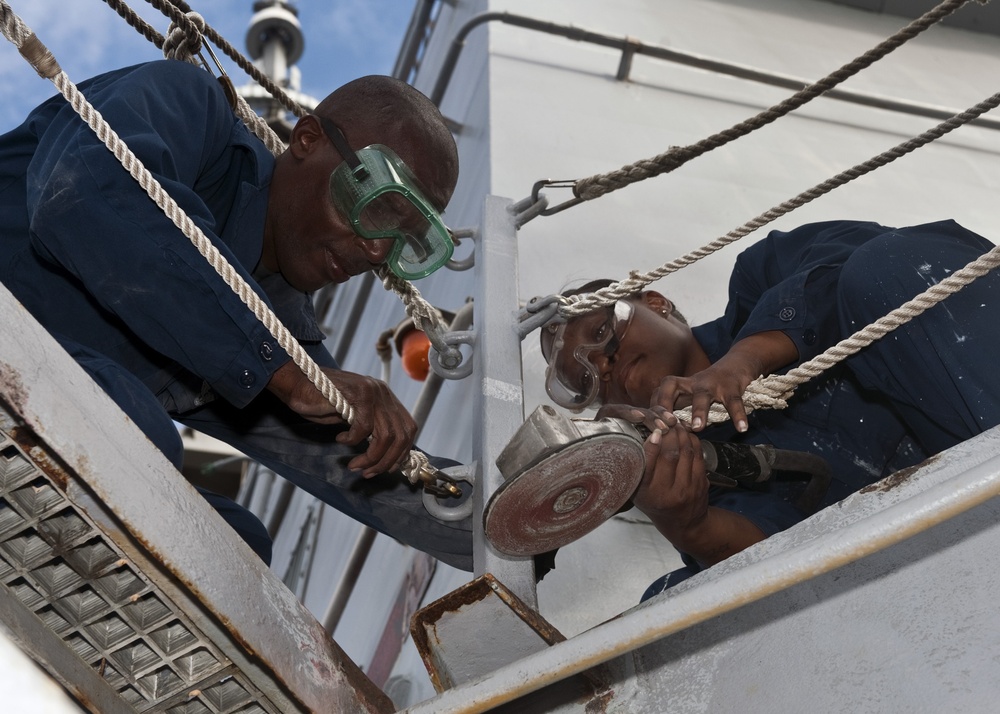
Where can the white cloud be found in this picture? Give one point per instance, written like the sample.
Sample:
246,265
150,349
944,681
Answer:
85,37
344,39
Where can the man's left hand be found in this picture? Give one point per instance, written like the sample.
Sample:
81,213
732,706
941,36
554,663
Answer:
378,415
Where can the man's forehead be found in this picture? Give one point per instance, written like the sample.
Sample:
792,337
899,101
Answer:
578,324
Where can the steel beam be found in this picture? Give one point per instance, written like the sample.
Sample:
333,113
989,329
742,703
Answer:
115,552
499,400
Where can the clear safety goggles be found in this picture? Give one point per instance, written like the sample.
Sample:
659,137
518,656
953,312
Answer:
572,380
381,198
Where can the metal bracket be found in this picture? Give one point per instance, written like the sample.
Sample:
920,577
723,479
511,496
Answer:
528,208
555,183
438,509
539,312
461,264
459,369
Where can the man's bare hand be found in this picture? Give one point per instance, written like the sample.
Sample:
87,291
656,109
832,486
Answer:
378,415
652,419
674,494
674,488
727,379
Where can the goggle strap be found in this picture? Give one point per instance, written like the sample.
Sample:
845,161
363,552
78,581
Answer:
336,137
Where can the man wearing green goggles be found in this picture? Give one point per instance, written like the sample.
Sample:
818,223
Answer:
381,198
132,300
362,192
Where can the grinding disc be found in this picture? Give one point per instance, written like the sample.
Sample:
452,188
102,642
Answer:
564,496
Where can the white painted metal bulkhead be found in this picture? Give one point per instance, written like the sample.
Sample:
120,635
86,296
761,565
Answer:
532,106
553,109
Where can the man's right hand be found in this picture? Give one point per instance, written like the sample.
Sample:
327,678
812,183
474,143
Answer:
674,493
727,379
378,415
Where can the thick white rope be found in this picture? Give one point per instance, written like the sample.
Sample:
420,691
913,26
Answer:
178,45
184,23
44,63
590,188
774,391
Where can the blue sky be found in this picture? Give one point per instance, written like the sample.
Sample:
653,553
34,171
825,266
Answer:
344,39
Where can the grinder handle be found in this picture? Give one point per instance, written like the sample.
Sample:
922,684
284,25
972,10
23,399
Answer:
729,464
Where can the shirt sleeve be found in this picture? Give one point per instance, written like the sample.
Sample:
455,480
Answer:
788,282
88,216
769,512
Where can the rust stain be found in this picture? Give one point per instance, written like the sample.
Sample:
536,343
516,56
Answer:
898,478
598,704
423,626
12,387
46,462
81,698
474,591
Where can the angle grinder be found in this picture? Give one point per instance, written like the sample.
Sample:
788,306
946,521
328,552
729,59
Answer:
564,477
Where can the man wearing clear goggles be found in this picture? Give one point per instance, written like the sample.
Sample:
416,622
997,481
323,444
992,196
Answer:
573,378
587,365
924,388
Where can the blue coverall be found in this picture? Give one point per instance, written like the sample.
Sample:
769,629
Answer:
127,294
925,387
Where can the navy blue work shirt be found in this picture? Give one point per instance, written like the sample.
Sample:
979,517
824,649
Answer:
788,282
93,258
919,390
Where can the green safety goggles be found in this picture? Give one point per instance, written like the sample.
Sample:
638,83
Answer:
381,198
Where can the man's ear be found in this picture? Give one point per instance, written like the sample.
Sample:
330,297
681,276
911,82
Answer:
657,303
307,137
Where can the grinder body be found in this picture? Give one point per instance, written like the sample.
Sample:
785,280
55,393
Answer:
563,477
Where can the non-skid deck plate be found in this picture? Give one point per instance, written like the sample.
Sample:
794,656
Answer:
57,563
564,496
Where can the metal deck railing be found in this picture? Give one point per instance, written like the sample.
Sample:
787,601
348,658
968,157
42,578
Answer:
58,564
121,581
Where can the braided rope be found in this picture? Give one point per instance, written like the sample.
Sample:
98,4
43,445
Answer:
261,129
600,184
19,34
425,316
173,211
414,304
132,18
178,15
179,37
582,304
773,391
781,386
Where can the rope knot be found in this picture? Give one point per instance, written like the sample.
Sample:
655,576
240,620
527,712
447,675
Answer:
184,39
414,466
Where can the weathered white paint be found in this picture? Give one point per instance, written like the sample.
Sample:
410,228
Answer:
533,106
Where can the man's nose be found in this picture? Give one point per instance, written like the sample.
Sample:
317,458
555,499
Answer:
602,362
376,249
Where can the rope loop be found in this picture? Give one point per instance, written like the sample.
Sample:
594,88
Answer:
184,39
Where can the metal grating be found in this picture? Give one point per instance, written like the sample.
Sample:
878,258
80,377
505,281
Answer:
58,564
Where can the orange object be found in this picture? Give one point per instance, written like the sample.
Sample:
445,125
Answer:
414,354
